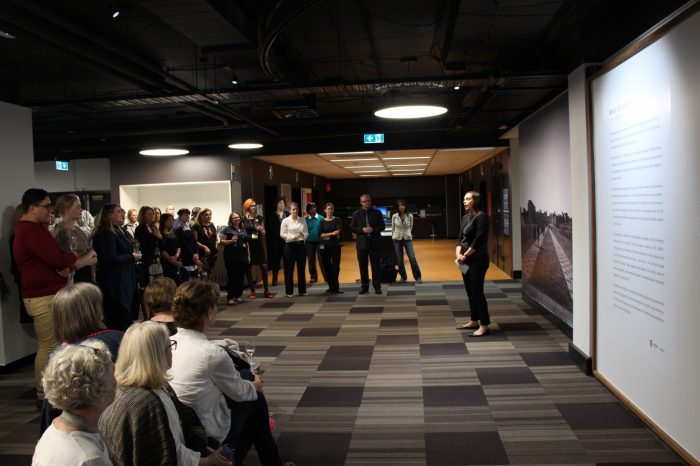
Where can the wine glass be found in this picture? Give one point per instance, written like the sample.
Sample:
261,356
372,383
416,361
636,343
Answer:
137,248
255,225
73,243
250,351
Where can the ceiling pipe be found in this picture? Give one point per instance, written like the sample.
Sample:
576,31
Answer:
125,65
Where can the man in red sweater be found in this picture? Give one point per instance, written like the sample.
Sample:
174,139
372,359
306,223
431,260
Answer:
43,271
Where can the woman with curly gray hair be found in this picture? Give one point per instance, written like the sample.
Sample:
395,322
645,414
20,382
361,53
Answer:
79,379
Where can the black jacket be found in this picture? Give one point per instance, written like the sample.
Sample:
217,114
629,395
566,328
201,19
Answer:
474,233
361,219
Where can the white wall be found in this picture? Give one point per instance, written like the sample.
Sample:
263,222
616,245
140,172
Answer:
580,209
83,175
17,155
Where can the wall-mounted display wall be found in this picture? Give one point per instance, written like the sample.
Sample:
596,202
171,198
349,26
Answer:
545,209
646,115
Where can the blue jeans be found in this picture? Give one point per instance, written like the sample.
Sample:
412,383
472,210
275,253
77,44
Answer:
399,246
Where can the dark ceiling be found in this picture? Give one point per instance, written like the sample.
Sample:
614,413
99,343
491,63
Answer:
310,72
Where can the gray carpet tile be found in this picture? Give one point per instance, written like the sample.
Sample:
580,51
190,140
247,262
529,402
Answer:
388,380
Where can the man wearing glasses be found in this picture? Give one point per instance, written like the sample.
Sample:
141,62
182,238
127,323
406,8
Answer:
43,271
367,223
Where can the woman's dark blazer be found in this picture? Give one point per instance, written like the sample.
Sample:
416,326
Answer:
116,270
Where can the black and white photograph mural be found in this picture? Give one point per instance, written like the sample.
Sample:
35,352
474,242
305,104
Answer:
545,193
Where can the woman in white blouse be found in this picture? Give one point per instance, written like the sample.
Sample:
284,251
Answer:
294,231
233,410
401,228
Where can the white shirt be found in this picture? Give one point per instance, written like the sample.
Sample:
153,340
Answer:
59,448
401,229
293,230
202,373
185,456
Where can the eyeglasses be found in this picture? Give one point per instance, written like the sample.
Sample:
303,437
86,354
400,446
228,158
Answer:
45,206
173,344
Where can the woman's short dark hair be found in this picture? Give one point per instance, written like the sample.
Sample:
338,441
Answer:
194,299
163,220
476,197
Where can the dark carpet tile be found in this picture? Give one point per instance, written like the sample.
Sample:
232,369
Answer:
358,351
398,283
268,351
598,416
27,395
241,332
319,332
460,395
448,448
460,313
15,460
332,397
505,375
519,326
491,337
276,305
398,323
443,349
556,358
511,290
452,286
431,302
335,298
366,309
294,317
314,448
219,323
495,295
401,293
397,339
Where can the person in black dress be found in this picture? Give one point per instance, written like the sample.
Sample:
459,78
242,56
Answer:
189,252
235,241
116,269
329,231
275,244
147,238
170,249
368,223
207,240
472,250
253,225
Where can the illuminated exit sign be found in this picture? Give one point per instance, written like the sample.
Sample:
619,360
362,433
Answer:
377,138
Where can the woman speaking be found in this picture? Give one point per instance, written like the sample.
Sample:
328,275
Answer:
472,251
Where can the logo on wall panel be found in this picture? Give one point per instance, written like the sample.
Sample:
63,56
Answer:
377,138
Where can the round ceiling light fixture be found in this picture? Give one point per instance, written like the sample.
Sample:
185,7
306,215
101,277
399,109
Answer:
245,145
164,152
406,112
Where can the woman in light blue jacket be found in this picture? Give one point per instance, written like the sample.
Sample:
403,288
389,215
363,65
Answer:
401,227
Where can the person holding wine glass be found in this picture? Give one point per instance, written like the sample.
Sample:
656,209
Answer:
207,241
253,225
146,241
236,257
116,269
250,351
69,237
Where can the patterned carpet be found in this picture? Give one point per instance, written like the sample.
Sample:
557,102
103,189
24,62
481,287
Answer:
388,380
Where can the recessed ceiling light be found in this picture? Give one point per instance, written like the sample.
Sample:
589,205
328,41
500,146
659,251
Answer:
370,171
407,158
347,153
456,88
164,152
355,160
406,169
466,148
407,165
363,166
6,35
370,175
405,112
407,174
245,145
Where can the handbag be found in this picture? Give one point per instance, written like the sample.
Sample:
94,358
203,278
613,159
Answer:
155,270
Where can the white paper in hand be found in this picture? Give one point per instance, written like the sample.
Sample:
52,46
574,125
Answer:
461,266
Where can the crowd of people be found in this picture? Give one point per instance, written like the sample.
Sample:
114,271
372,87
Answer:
133,397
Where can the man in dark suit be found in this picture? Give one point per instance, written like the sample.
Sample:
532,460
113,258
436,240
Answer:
367,224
